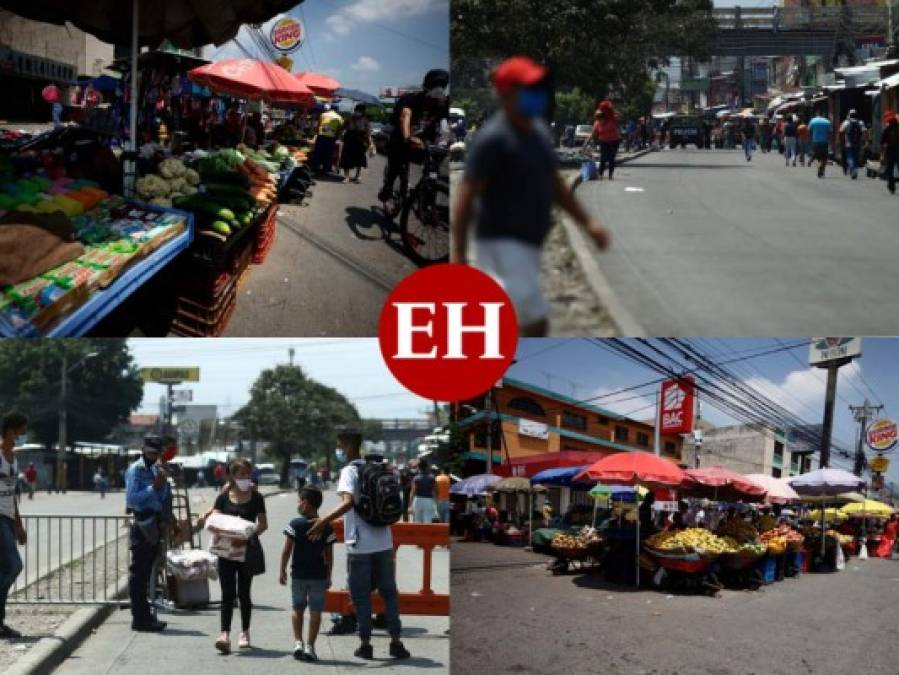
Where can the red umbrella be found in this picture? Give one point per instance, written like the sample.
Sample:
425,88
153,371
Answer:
251,79
636,468
719,482
319,83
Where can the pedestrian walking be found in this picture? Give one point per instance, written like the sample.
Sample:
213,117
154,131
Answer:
442,484
236,577
889,144
607,134
765,135
790,141
31,479
12,532
218,473
852,131
424,508
748,138
329,125
148,498
357,144
820,129
100,483
370,557
513,172
311,564
802,142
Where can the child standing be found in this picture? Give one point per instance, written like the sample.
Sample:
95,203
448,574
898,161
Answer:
310,571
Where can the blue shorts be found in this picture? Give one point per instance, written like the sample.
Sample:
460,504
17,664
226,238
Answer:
309,592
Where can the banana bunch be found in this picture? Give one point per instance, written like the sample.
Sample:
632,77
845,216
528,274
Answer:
740,530
753,549
692,539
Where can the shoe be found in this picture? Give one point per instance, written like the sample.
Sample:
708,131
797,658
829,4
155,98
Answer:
8,632
384,196
298,650
344,625
364,651
310,653
243,641
223,644
398,651
151,627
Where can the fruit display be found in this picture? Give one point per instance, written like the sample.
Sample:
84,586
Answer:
576,542
844,539
766,522
692,540
780,539
753,549
740,530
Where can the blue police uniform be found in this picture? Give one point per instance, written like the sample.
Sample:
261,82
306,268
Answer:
150,507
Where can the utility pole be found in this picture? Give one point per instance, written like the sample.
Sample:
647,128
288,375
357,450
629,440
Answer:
657,436
833,368
863,414
290,353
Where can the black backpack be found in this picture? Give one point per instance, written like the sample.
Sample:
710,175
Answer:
854,133
380,500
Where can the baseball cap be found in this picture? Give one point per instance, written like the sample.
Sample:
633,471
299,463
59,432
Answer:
153,443
518,71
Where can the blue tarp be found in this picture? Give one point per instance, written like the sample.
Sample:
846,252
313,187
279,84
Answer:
561,476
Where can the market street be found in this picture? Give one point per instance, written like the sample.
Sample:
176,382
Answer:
187,643
333,263
819,623
705,243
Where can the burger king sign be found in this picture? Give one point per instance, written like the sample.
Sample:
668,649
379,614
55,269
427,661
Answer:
882,435
287,34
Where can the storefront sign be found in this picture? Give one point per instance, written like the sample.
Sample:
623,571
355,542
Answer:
879,464
825,349
183,395
882,435
287,35
533,429
676,415
172,375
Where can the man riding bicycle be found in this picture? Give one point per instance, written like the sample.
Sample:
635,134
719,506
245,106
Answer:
416,120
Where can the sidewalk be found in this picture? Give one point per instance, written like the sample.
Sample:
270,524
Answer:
186,646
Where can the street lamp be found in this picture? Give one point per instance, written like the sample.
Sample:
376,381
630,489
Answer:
63,385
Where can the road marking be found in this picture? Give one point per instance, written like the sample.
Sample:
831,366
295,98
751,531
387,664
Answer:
634,189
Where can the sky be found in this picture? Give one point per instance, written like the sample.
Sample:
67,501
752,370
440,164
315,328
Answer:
228,368
581,369
364,44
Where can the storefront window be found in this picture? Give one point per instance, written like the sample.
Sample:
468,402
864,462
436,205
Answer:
574,421
603,420
527,405
669,447
621,434
642,439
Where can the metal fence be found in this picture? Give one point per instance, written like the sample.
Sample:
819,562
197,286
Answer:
72,559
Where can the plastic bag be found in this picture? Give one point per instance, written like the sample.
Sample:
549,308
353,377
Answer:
230,526
192,564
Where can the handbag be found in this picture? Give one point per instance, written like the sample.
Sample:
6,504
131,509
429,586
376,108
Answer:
254,563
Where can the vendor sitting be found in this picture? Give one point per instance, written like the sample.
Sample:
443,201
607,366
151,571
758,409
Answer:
647,523
679,519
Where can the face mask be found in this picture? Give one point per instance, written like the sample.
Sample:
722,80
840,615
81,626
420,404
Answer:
243,484
340,454
21,440
437,92
532,103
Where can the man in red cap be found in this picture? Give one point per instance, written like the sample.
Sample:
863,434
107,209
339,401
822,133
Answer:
889,141
512,172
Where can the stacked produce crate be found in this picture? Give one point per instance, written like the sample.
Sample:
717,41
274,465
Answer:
265,235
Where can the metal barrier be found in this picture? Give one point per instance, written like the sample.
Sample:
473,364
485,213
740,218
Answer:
426,602
72,559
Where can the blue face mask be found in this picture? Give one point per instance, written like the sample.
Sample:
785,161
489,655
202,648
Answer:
340,454
533,103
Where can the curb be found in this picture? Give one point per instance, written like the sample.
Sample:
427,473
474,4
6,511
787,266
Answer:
575,163
51,651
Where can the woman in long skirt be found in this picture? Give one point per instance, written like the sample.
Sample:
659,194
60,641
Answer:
356,144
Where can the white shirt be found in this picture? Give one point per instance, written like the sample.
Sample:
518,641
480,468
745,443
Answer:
9,473
360,537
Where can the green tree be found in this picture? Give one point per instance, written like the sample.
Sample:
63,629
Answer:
451,455
296,415
102,391
574,107
604,47
372,430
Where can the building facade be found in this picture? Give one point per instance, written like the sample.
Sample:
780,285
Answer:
535,429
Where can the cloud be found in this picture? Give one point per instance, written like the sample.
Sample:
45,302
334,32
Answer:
802,391
636,406
366,64
368,11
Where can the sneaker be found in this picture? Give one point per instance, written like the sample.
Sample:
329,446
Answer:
364,651
8,632
398,651
243,641
298,650
223,644
310,653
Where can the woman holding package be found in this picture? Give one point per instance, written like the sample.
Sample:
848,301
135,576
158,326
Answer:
607,134
242,501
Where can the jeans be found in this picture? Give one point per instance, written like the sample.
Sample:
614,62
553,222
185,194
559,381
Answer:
232,575
852,160
748,147
443,510
10,562
607,152
790,148
892,165
423,509
365,570
142,556
804,152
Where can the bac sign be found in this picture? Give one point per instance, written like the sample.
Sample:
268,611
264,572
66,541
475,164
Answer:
676,415
882,435
170,375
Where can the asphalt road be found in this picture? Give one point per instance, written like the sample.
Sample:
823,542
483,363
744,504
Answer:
332,265
511,615
187,644
705,243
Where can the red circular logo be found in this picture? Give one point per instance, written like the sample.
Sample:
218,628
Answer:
448,332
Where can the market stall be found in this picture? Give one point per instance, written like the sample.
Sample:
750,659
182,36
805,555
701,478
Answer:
514,495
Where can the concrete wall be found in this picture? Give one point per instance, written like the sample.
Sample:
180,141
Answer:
65,44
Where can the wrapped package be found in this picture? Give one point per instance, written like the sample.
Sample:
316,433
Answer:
230,548
192,564
229,536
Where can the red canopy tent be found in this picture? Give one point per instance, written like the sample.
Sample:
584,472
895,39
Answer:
320,84
255,80
719,482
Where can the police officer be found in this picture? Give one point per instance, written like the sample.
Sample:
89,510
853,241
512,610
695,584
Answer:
148,498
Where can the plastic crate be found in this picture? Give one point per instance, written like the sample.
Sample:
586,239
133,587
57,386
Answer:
262,249
206,323
207,312
767,568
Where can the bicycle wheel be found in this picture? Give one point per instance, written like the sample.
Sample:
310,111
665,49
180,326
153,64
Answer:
424,223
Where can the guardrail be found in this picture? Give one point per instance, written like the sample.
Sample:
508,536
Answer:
800,18
72,559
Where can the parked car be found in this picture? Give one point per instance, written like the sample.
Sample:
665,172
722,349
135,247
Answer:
686,129
268,475
582,133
